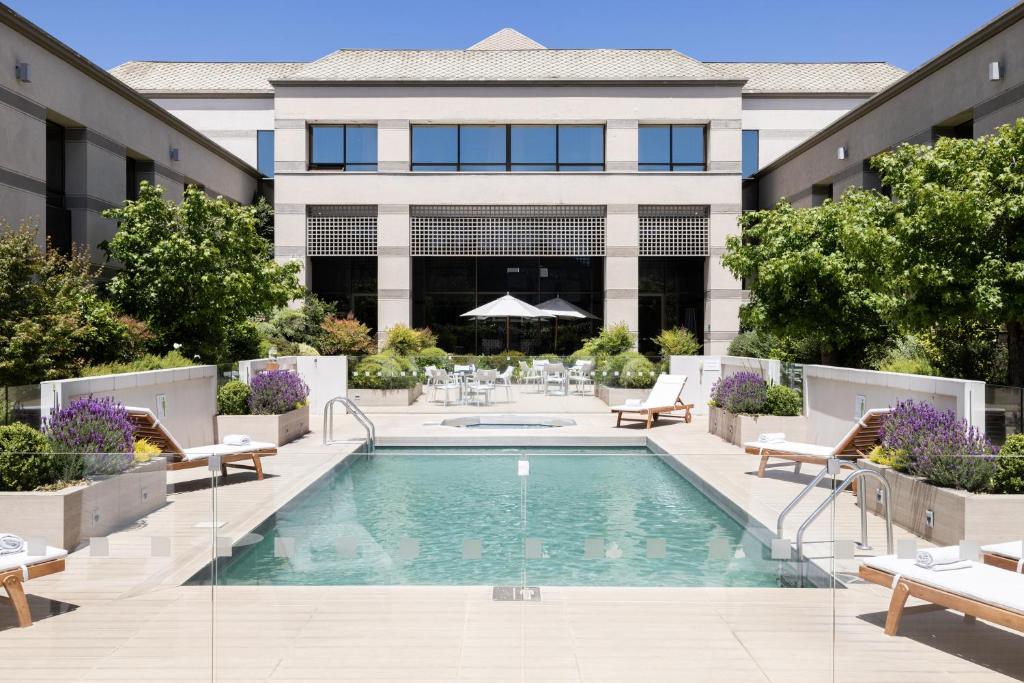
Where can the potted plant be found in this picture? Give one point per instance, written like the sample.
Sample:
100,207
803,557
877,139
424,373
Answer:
271,408
743,405
385,379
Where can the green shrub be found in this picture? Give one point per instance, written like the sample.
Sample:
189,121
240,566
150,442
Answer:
384,370
403,340
432,355
233,398
304,350
345,337
26,459
677,342
610,341
610,371
172,359
244,341
909,356
638,373
780,400
1009,475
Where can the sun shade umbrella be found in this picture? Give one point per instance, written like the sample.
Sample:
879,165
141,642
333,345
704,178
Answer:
506,307
560,308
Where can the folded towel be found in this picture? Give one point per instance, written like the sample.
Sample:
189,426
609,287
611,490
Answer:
11,544
771,436
950,566
236,440
936,556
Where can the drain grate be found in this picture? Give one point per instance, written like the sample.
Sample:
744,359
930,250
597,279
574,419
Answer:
516,594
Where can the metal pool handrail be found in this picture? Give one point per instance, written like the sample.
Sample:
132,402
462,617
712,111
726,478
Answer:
354,410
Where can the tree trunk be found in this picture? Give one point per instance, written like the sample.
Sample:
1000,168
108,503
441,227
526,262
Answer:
1015,352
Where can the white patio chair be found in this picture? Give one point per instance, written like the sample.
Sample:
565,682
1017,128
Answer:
505,380
555,375
528,374
480,386
448,384
580,375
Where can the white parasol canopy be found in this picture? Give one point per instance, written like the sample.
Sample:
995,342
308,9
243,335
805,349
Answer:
560,308
507,307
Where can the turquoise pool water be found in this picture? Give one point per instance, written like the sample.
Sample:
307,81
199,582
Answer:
452,516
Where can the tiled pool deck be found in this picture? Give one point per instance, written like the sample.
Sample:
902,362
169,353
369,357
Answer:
134,621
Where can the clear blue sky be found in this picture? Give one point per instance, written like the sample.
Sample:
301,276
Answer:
903,32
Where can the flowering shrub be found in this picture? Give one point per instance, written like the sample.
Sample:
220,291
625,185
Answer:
275,392
96,428
920,439
743,392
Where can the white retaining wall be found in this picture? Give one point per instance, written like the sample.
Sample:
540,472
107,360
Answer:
834,397
703,371
326,376
184,399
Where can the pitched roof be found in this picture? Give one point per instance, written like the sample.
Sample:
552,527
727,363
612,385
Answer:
507,39
810,77
416,66
203,77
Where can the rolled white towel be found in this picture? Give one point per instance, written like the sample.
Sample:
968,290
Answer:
936,556
11,544
236,440
950,566
769,437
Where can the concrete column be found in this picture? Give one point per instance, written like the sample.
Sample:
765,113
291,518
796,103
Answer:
289,145
290,238
23,164
622,267
394,268
94,181
622,145
723,293
393,148
725,146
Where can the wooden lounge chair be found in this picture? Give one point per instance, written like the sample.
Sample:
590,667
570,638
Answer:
857,443
1008,556
979,591
17,568
665,397
147,427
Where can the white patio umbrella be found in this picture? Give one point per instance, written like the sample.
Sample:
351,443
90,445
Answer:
506,307
560,308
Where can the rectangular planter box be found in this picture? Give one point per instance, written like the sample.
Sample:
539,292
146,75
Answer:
958,515
739,429
275,429
71,516
385,397
616,396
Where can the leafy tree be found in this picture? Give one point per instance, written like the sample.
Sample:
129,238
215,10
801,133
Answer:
264,213
954,248
808,276
193,272
52,319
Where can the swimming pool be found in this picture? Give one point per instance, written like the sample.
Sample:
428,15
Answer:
457,516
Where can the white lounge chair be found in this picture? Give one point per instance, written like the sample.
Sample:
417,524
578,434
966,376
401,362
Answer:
1004,555
858,442
665,397
146,426
979,591
17,568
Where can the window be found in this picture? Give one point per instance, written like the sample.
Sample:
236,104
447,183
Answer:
508,148
131,179
751,163
344,147
265,153
820,193
672,148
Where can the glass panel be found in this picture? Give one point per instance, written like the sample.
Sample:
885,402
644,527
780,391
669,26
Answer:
265,152
435,144
328,146
482,167
691,168
654,146
362,145
581,144
482,145
533,145
655,167
533,167
435,167
687,144
580,167
750,152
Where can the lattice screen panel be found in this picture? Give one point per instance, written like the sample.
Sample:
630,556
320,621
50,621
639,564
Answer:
673,230
507,230
341,231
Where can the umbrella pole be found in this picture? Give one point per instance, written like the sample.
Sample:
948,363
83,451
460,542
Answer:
556,334
506,333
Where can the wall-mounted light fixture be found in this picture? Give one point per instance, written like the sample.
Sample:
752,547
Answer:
993,71
22,72
841,152
174,154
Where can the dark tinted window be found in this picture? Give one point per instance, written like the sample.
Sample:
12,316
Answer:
672,148
351,148
507,148
534,145
54,163
482,148
265,153
435,148
582,145
361,148
750,152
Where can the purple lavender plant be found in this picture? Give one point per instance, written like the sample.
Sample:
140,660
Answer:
96,429
275,392
938,446
743,392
